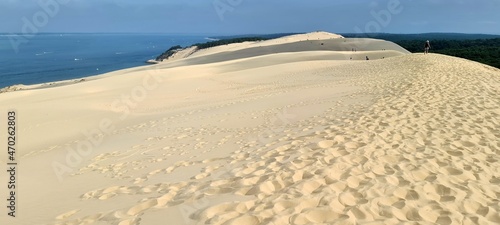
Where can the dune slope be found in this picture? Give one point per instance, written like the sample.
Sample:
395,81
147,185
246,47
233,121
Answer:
306,140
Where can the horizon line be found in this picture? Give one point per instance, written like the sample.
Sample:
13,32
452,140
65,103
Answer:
257,33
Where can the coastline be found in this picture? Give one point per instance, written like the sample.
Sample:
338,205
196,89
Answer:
52,58
21,87
315,43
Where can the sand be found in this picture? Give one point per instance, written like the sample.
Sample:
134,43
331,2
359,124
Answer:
292,137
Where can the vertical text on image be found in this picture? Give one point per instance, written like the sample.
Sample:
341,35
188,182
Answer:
11,163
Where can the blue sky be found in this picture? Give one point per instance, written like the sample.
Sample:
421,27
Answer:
250,16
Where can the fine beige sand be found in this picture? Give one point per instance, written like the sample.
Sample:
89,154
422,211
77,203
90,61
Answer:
264,133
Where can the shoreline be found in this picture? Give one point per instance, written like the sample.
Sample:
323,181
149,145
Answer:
59,83
194,52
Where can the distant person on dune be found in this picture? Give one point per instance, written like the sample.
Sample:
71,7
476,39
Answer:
427,46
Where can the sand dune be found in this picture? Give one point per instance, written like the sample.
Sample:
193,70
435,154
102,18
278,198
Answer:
314,36
288,138
347,48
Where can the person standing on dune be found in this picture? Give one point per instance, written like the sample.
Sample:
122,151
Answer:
427,47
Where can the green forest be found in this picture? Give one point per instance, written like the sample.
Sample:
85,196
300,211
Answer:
168,53
483,48
228,41
171,51
485,51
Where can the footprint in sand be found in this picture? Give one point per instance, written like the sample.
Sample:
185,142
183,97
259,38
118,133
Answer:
67,215
137,209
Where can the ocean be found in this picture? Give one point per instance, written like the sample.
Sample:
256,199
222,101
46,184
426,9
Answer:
54,57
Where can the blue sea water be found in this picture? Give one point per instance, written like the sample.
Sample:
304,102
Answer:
54,57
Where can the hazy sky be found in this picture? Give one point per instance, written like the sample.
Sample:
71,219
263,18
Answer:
250,16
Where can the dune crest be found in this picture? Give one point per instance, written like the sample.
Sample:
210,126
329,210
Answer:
320,35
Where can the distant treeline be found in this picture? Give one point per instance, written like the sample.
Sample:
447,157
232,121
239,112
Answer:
227,41
483,48
265,36
168,53
424,36
485,51
171,51
231,39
